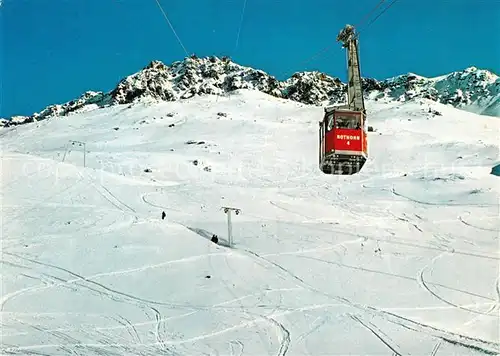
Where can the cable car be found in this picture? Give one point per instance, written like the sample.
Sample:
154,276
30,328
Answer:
342,132
343,143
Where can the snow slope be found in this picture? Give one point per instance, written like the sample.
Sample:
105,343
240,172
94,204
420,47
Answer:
400,259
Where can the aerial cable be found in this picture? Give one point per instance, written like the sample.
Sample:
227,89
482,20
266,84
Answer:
172,27
240,25
231,54
380,14
327,48
369,14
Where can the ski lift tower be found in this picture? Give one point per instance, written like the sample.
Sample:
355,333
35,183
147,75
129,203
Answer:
228,211
78,144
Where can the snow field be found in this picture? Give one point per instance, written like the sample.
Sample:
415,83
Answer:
400,259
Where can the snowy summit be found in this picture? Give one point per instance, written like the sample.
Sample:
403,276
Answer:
115,238
473,89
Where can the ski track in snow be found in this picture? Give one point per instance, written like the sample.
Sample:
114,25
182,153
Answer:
8,297
422,282
377,334
477,227
243,270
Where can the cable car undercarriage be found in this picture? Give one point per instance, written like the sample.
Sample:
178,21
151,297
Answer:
342,164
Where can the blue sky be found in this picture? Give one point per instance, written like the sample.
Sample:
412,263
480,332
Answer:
54,50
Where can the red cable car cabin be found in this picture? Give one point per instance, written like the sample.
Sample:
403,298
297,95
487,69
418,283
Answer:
343,144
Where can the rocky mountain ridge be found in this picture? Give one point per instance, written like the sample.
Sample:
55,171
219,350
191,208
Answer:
472,89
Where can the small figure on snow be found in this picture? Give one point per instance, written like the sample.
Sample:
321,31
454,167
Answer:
163,215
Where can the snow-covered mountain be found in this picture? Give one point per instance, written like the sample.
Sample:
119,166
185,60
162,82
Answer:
473,89
400,259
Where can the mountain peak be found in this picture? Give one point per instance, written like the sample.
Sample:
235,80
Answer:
156,64
472,89
471,69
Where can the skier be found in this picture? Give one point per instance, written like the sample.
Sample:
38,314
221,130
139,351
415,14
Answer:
163,215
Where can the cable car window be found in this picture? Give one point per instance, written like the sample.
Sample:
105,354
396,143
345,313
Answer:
347,122
330,122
